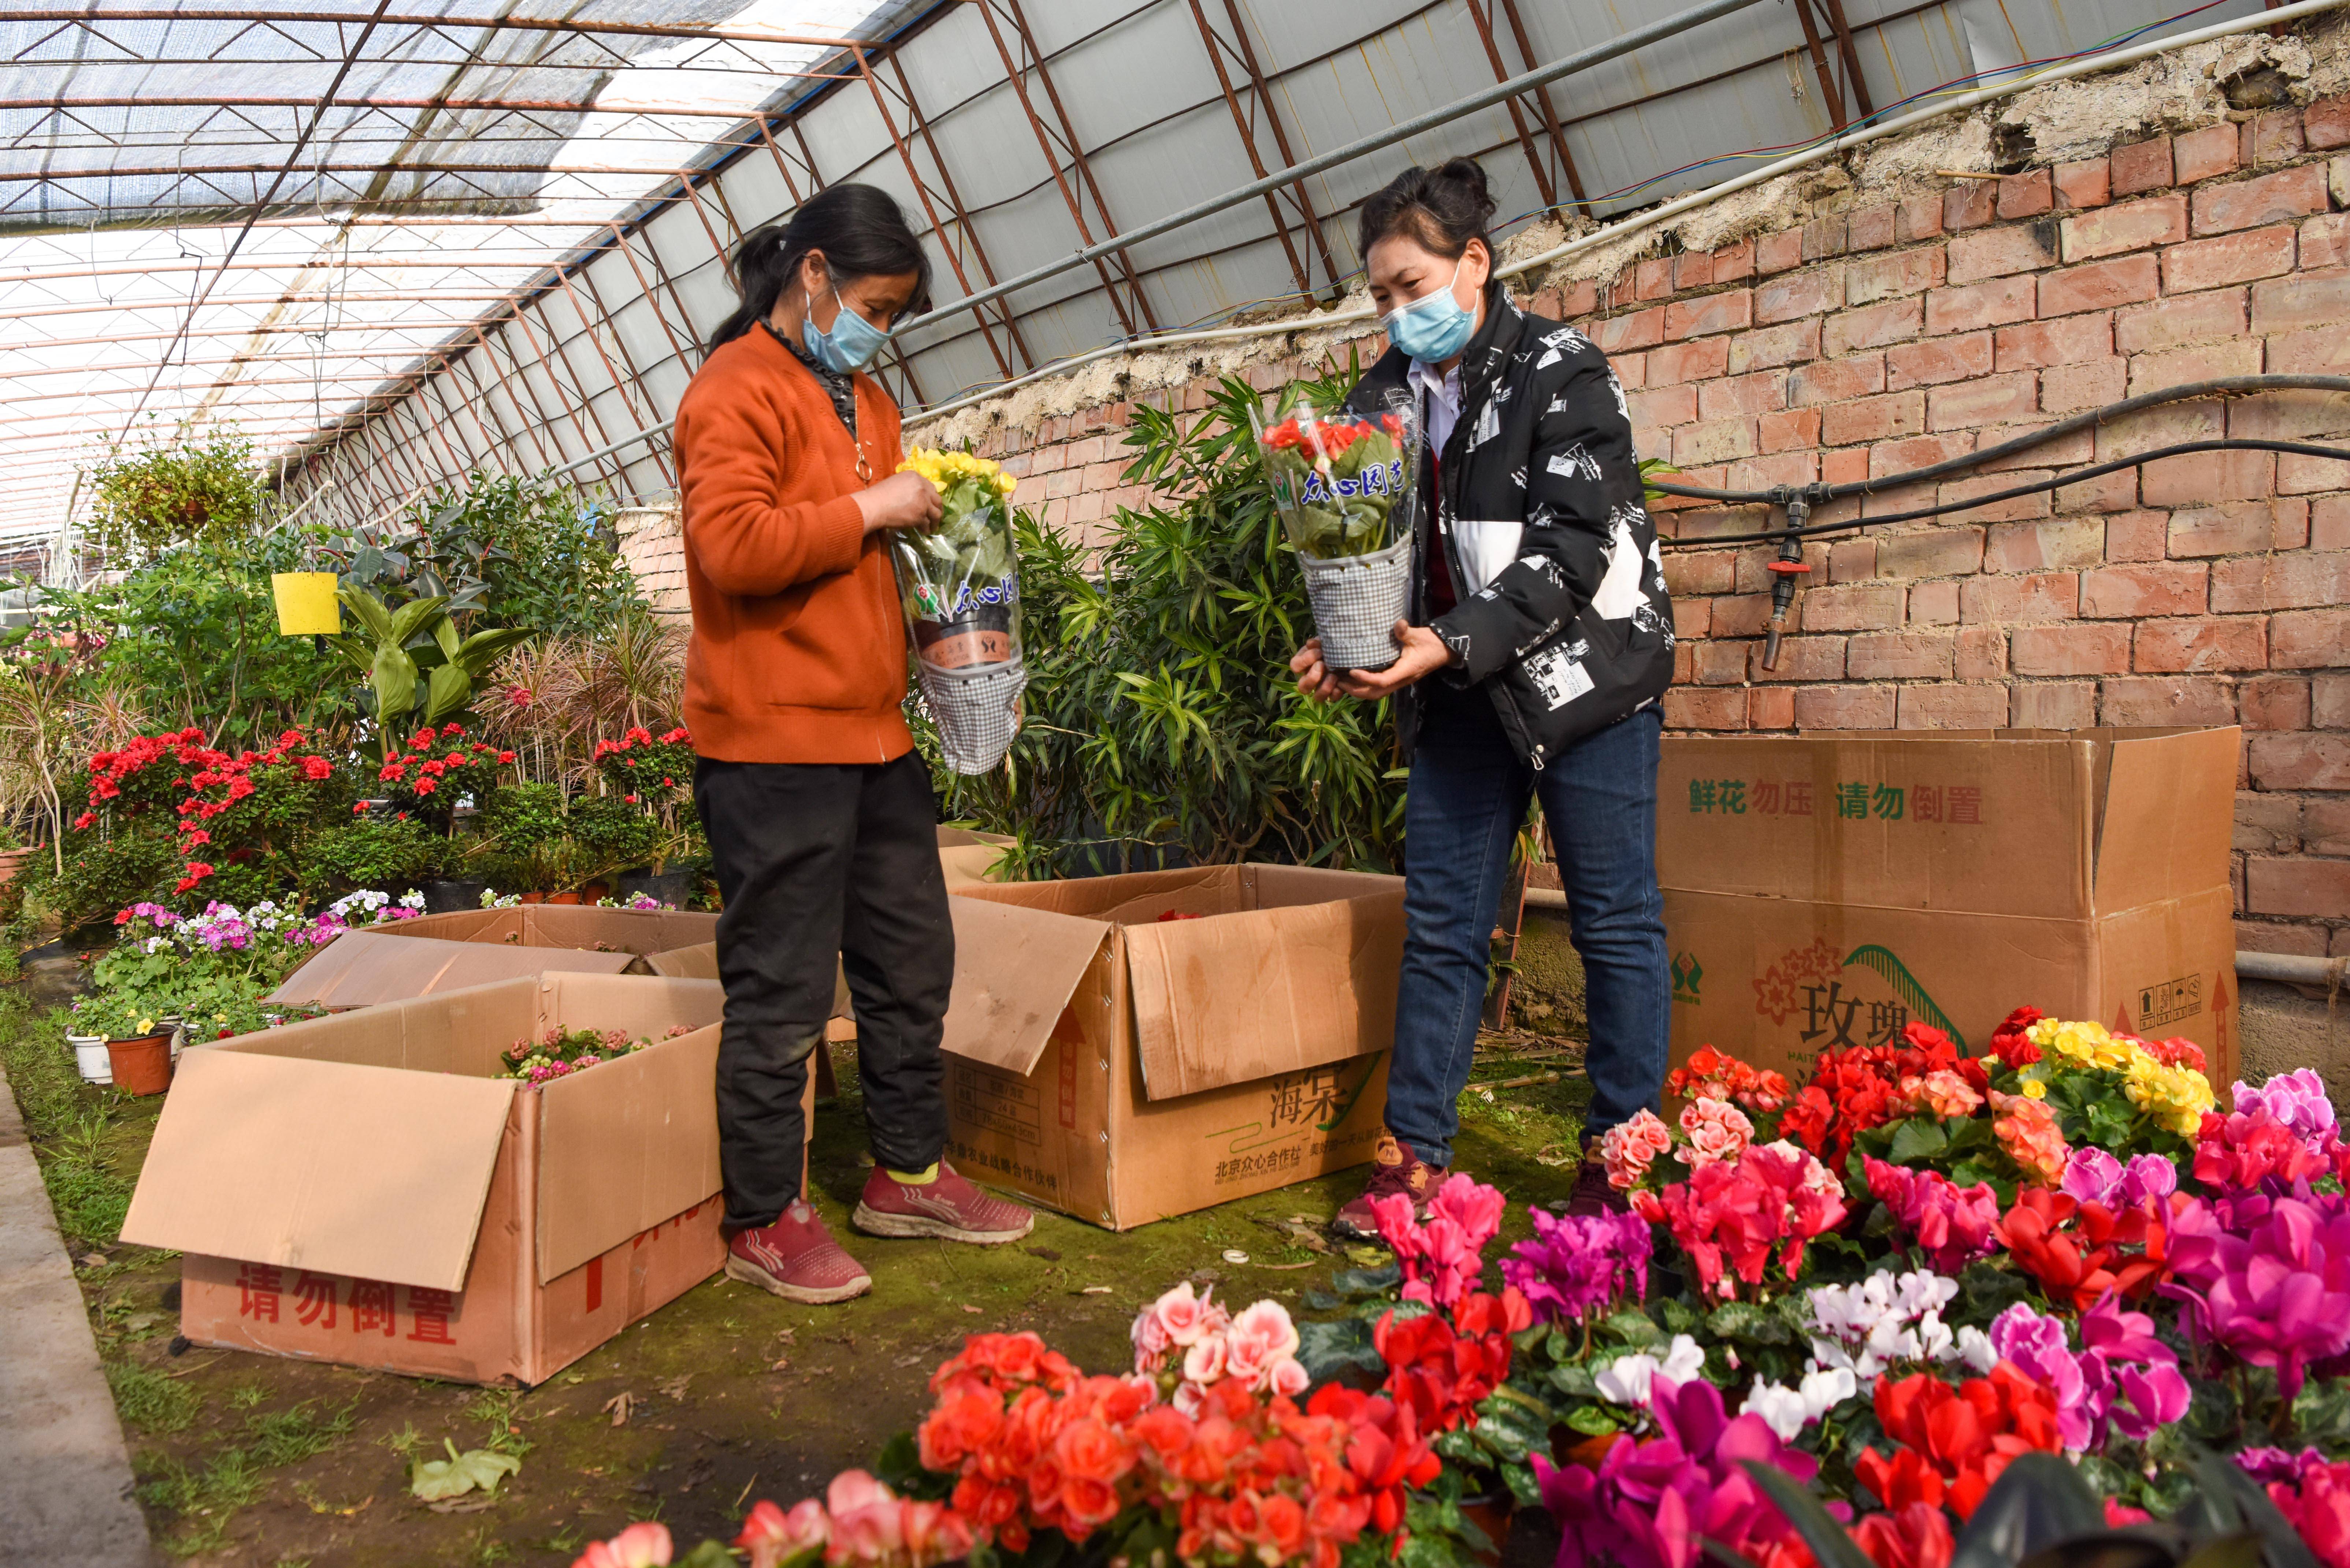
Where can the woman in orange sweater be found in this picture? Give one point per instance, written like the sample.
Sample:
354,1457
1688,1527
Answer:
821,820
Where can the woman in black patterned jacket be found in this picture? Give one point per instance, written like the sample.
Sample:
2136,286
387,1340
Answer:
1537,641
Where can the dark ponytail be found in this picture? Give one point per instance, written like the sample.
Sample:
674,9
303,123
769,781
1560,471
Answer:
1442,209
861,232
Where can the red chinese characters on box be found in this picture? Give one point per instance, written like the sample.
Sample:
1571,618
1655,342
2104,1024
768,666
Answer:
367,1306
1954,804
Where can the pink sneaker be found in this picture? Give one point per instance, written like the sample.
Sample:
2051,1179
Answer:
797,1259
945,1205
1394,1170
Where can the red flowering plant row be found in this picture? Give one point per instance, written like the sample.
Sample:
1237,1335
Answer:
237,821
1809,1341
438,771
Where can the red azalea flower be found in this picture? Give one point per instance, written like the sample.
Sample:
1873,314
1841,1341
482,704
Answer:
87,819
316,768
505,757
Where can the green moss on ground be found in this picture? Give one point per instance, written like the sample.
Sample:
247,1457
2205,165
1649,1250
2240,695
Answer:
730,1395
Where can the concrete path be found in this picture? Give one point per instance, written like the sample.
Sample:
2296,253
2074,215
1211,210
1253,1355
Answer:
64,1476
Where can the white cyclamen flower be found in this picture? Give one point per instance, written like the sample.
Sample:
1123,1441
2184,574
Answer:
1781,1408
1627,1380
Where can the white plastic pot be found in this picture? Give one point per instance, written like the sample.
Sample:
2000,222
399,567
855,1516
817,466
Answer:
91,1058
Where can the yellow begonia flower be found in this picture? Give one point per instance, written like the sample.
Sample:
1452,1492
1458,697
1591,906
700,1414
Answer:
2033,1089
943,469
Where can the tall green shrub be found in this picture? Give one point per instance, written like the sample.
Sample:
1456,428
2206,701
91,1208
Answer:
1162,723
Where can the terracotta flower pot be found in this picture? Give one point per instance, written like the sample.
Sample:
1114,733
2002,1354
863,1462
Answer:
142,1066
595,890
562,898
12,861
533,897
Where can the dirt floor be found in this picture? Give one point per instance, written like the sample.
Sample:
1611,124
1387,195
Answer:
728,1394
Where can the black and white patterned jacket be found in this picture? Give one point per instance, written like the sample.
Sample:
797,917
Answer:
1563,616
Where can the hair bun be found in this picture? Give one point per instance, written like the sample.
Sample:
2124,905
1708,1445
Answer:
1470,175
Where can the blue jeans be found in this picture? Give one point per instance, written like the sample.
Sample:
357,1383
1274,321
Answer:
1468,798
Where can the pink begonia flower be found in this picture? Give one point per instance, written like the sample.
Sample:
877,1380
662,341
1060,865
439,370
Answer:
866,1522
1717,1130
2267,1279
1260,1338
1290,1377
1204,1362
1150,1341
645,1544
1183,1318
1628,1148
772,1536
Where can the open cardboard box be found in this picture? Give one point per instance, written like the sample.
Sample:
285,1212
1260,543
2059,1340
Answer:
1824,891
1122,1068
366,1188
431,953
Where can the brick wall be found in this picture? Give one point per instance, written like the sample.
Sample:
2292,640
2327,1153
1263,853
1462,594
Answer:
1875,338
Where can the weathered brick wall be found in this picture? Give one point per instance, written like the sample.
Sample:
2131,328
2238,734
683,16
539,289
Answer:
1868,340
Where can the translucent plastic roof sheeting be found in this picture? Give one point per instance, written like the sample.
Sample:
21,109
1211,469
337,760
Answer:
497,246
134,152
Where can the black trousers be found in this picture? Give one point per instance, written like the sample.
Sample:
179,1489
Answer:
818,862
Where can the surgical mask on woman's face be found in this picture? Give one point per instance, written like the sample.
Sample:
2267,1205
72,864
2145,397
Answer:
1434,328
852,343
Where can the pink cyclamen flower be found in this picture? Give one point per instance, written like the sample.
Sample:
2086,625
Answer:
1576,1266
2266,1279
2297,1098
645,1544
1951,1224
1442,1259
1716,1129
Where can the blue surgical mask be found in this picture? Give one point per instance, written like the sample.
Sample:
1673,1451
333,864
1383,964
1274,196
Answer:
852,343
1434,328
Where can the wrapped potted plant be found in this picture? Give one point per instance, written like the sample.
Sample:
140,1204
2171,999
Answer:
959,582
1339,481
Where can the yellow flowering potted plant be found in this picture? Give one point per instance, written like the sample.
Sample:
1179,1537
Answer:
959,582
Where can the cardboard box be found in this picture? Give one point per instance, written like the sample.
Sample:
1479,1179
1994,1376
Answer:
966,858
363,1189
431,953
1121,1069
1824,891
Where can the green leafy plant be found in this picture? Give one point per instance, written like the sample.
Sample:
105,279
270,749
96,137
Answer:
1162,722
416,646
377,848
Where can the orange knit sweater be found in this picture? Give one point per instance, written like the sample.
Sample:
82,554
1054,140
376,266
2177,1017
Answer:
799,642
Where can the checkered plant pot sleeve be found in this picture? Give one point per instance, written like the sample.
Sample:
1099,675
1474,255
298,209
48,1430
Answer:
974,712
1357,600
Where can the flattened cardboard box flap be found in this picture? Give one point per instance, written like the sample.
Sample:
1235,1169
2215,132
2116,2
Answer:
1251,994
2169,817
1015,970
372,1172
362,968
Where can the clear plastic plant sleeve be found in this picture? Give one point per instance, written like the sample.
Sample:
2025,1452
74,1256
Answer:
1343,484
959,582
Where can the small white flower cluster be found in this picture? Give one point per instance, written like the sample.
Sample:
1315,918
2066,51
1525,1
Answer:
494,900
1890,1320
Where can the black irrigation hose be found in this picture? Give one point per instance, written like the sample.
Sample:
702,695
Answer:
1820,494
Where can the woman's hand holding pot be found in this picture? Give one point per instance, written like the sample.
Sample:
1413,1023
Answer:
1423,653
901,501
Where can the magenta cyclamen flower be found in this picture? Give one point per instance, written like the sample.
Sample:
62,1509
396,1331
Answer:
1951,1225
2133,1377
2297,1098
1576,1266
2266,1279
1654,1504
2093,1176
